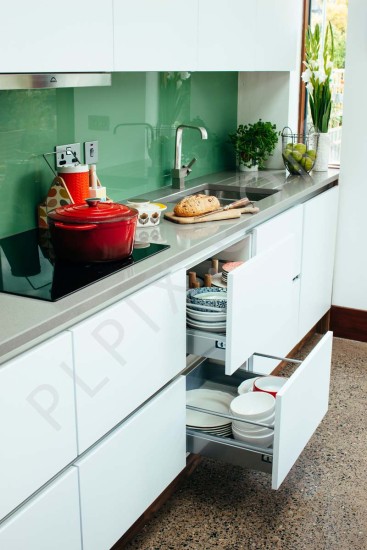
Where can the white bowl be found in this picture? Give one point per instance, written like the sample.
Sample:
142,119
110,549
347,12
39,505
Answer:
253,405
247,385
243,426
246,429
270,384
261,441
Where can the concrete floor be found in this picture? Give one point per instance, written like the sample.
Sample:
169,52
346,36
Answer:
320,506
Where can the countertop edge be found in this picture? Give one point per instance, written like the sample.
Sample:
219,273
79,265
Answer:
62,315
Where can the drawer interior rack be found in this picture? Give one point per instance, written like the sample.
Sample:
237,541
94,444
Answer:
300,406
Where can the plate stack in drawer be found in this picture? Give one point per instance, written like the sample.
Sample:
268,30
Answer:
214,400
206,309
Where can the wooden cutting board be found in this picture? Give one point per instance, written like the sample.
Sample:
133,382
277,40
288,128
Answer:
224,215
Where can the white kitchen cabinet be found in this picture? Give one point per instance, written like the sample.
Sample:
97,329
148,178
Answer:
68,37
259,297
50,519
299,408
319,231
121,476
248,35
282,338
155,36
127,352
37,411
226,35
278,27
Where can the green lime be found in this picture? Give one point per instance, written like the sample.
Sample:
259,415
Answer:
300,147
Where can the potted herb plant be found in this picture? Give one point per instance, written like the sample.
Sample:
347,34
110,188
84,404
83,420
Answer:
253,144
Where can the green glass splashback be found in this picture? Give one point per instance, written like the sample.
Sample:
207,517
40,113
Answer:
134,122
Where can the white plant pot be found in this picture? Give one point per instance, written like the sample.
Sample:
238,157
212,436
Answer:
323,151
243,168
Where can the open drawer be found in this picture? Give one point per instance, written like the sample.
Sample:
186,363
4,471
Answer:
299,408
259,298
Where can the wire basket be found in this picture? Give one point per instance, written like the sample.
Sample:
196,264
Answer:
299,151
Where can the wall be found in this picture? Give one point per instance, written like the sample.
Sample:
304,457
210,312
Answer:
350,277
134,121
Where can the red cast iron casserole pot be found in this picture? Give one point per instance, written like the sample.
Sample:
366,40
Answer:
93,232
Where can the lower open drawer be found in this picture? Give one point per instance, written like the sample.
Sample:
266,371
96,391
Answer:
299,408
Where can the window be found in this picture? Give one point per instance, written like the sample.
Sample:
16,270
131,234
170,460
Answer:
321,12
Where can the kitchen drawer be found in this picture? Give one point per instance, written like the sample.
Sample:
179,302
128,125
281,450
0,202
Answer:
122,475
127,352
50,520
37,411
259,298
300,406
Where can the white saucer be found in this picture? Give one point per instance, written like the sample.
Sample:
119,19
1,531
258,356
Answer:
207,316
217,281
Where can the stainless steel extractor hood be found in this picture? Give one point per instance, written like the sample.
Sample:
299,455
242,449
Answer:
22,81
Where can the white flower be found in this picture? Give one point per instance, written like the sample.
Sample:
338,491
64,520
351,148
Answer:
185,75
320,75
309,87
170,75
314,65
306,75
329,65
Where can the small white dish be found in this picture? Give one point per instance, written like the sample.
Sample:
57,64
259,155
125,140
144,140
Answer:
217,281
205,316
213,296
247,385
207,327
254,405
206,309
262,440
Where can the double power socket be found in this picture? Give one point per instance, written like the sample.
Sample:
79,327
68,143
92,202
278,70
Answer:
69,155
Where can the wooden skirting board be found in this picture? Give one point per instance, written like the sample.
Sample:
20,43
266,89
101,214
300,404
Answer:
194,460
349,323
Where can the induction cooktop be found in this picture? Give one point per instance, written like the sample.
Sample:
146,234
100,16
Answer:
27,267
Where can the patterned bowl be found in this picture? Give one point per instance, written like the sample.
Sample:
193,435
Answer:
208,296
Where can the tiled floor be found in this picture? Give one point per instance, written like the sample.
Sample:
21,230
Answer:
320,506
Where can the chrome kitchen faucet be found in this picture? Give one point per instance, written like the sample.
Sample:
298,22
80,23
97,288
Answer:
180,172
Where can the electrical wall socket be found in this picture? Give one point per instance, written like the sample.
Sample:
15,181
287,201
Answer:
91,152
67,155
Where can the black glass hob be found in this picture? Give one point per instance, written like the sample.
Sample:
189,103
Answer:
28,267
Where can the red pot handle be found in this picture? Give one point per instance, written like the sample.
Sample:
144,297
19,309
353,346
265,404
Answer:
71,227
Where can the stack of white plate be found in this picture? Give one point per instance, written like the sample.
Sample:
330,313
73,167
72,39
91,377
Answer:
256,407
213,400
211,321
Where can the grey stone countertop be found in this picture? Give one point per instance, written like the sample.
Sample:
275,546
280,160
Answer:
25,322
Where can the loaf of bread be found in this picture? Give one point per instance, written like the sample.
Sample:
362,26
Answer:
194,205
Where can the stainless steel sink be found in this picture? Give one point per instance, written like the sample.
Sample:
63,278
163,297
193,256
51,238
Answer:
225,193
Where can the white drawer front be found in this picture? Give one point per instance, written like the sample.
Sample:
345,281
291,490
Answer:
127,352
37,411
126,472
50,520
259,299
300,406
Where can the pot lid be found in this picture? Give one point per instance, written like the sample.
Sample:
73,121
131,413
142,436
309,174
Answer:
94,210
